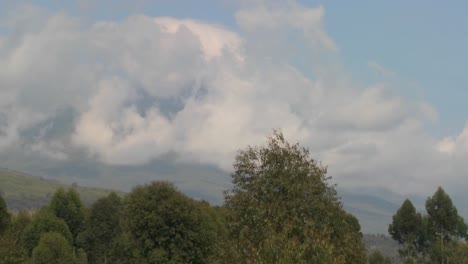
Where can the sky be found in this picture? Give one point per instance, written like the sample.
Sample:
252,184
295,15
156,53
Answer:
376,90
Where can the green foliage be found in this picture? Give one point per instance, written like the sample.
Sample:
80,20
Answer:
449,252
281,206
408,229
444,225
124,250
52,248
11,246
67,205
44,222
101,228
4,216
406,224
376,257
434,238
444,220
167,226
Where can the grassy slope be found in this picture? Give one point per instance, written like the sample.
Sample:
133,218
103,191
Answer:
25,192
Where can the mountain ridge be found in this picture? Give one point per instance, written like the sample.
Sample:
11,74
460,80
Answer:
23,191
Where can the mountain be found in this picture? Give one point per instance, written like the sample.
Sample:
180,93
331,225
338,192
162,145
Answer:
22,191
374,210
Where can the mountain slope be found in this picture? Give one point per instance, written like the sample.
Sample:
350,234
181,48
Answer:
25,192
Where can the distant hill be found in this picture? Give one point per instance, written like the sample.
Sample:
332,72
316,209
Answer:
374,213
375,208
386,245
26,192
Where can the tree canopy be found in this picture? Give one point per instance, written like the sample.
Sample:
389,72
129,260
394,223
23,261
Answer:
167,226
53,248
406,224
67,205
101,227
442,215
282,207
432,238
44,222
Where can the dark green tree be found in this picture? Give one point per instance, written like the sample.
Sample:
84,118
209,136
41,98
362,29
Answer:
406,224
282,209
53,248
101,228
124,250
44,222
444,224
4,216
167,226
444,220
67,205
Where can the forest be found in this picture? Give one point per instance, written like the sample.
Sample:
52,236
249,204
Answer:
281,208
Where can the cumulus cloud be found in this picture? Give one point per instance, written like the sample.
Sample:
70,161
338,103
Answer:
138,89
455,145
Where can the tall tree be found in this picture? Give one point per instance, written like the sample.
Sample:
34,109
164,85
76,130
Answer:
444,223
406,224
167,226
67,205
283,209
101,228
444,220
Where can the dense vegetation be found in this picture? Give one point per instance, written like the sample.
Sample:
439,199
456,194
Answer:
281,209
436,237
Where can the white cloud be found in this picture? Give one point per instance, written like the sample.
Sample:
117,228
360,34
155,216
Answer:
455,145
214,39
144,87
288,16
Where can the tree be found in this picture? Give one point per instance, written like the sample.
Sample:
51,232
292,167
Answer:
4,216
406,229
124,250
167,226
52,248
67,205
282,209
444,220
444,224
11,247
44,222
376,257
435,237
101,228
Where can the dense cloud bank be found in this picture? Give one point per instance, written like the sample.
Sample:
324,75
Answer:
131,91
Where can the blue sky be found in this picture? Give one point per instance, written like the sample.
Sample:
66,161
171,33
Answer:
423,42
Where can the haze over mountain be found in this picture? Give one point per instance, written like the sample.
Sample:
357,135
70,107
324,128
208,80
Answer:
118,93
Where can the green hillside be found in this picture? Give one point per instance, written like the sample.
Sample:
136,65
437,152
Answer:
25,192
